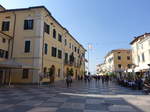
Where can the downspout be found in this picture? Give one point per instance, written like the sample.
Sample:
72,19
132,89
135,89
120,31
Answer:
43,50
11,56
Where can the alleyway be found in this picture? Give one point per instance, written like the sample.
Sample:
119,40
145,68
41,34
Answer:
81,97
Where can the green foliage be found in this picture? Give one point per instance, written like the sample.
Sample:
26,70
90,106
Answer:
70,72
51,71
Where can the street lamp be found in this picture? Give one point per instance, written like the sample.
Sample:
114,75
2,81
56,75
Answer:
89,47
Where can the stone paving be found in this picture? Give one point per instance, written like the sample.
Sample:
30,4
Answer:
81,97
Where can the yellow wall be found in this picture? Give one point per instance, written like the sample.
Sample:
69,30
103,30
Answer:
37,57
124,62
113,65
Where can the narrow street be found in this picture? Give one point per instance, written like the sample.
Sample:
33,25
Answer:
81,97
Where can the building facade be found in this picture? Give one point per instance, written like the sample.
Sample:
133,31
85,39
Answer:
118,60
101,69
40,41
141,52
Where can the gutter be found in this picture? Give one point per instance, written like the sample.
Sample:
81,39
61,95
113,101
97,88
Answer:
11,56
43,48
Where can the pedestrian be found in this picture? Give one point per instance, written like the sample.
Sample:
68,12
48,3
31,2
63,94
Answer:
103,79
68,80
81,78
85,78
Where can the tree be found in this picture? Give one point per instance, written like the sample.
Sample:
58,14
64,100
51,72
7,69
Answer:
51,74
70,72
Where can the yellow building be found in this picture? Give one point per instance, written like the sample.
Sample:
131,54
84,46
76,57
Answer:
42,43
118,60
5,42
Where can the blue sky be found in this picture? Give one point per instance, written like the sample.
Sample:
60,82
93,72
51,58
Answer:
106,24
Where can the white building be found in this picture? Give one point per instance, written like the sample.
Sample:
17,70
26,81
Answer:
141,52
101,69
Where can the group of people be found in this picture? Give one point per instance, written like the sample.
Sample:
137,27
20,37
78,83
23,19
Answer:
103,78
136,83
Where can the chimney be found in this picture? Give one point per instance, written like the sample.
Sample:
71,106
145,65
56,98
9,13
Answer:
2,8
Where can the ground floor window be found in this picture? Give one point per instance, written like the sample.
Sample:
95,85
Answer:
59,72
1,76
25,73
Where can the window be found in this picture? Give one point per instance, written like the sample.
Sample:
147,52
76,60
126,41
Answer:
128,57
138,58
129,65
2,53
54,33
27,46
46,28
141,46
78,51
28,24
70,45
149,42
59,54
5,26
65,41
45,48
54,51
59,38
143,58
45,70
66,57
3,40
58,72
6,54
119,65
25,73
75,49
119,57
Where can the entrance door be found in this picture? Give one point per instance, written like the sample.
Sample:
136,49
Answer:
76,75
1,77
52,74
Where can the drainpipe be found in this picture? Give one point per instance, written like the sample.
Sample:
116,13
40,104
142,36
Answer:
11,54
14,28
43,50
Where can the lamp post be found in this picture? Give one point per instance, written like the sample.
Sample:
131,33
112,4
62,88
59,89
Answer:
89,47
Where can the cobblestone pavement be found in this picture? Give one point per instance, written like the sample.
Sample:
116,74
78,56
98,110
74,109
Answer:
81,97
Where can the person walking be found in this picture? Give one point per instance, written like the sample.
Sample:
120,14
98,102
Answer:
68,80
103,79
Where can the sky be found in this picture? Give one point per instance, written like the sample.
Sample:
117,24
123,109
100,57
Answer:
105,24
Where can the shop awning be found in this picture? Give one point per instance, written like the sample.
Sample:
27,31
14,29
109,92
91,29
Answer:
12,64
141,68
130,70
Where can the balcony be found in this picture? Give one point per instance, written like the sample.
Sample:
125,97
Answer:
66,62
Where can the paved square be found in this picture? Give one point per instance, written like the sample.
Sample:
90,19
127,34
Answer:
81,97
